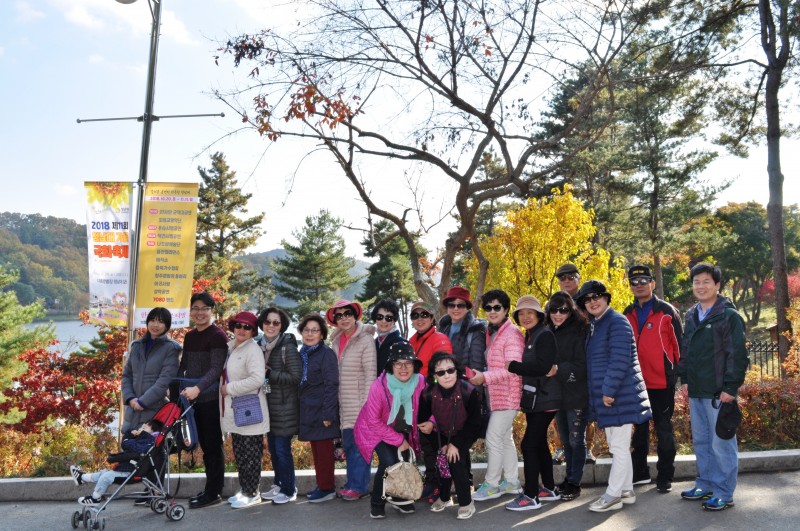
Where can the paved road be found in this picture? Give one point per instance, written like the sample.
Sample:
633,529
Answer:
763,501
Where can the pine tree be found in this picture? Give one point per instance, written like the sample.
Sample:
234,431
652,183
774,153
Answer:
316,268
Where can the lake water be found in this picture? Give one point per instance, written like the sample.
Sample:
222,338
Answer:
72,334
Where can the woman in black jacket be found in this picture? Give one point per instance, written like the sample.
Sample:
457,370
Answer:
541,398
282,381
569,326
385,314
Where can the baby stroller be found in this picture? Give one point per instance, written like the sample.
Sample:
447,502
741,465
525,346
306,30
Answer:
151,469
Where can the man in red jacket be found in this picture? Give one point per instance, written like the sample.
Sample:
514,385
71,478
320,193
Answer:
658,330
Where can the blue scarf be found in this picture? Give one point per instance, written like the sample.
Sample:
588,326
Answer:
305,350
402,394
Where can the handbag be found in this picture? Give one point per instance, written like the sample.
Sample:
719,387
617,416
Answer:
528,400
402,482
246,410
442,465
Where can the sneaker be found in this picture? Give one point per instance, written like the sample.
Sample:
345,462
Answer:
319,495
641,479
546,494
590,457
90,500
440,505
143,500
603,504
270,494
628,497
510,487
377,511
351,495
696,493
664,486
406,508
486,492
523,503
559,457
247,501
236,497
717,504
570,492
312,492
282,498
76,474
466,511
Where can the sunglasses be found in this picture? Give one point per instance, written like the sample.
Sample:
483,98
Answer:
237,326
568,276
563,311
441,373
641,281
591,297
384,317
267,322
342,315
489,308
420,315
456,305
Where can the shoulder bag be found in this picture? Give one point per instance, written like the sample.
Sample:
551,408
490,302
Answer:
402,482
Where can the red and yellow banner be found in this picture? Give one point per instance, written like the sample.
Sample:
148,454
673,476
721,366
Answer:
108,218
166,250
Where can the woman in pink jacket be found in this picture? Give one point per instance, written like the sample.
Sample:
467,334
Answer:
504,343
388,421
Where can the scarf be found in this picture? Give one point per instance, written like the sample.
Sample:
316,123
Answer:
401,396
267,346
382,335
305,350
494,328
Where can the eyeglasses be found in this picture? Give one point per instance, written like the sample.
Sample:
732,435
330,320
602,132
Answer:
311,330
641,281
441,373
420,315
247,327
267,322
342,315
489,308
384,317
402,364
200,309
563,311
591,297
456,305
568,276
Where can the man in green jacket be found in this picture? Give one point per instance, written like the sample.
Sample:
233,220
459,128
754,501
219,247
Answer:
712,367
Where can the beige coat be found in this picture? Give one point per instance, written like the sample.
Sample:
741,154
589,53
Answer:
356,371
245,370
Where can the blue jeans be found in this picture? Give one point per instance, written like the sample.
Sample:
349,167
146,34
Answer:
717,459
280,450
571,424
358,470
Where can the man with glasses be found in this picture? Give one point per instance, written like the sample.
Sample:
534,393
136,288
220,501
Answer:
658,331
205,348
569,279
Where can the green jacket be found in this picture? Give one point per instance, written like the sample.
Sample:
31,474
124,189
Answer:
714,353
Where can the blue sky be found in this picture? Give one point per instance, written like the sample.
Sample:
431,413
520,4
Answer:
66,59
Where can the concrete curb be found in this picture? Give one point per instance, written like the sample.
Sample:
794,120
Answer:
63,489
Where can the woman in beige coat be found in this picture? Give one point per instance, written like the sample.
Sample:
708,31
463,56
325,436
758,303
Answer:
353,343
244,375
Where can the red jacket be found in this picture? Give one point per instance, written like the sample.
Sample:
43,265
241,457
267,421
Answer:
658,343
428,343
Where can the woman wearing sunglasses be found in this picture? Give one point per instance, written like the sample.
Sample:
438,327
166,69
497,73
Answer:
384,315
505,343
427,339
455,405
467,334
352,342
569,326
243,375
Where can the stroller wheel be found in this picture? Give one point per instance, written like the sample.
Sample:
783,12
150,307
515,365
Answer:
102,523
88,522
176,513
159,505
76,519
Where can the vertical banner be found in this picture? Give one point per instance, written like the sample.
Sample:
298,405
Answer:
166,250
108,218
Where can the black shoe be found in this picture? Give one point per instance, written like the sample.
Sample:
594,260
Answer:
570,492
641,479
142,500
199,495
377,511
205,501
407,508
663,486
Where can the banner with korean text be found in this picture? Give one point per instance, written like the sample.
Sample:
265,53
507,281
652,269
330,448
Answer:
166,250
108,218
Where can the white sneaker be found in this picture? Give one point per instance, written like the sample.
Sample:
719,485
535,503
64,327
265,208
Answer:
271,493
466,511
510,487
282,498
628,497
76,474
247,501
236,497
440,505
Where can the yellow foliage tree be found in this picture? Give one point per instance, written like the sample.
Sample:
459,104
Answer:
533,240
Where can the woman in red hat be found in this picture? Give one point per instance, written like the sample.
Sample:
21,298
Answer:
467,334
353,343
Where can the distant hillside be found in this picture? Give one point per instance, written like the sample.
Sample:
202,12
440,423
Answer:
261,262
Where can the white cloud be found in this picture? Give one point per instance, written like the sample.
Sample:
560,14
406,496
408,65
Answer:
65,190
26,12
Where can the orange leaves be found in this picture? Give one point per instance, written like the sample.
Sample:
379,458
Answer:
309,102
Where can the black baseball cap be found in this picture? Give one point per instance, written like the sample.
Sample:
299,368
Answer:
639,271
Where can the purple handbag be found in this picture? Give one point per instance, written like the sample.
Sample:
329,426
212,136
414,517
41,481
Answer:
246,410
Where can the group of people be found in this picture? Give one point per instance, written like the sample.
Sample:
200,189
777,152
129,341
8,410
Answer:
573,361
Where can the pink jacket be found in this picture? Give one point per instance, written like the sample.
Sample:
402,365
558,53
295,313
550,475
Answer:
505,389
371,427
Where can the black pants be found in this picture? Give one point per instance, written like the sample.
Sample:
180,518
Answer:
387,456
536,453
209,434
662,402
459,474
428,446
